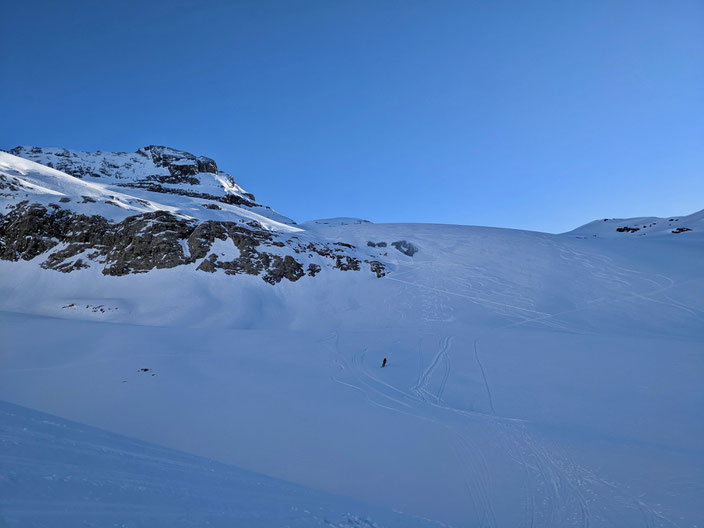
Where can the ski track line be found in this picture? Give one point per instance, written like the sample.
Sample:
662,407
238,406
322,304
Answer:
476,479
476,300
560,496
465,478
590,304
367,389
699,314
567,504
424,379
369,398
358,362
564,491
443,383
476,476
486,382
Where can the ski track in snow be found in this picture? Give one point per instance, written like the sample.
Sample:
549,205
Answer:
421,386
486,382
556,491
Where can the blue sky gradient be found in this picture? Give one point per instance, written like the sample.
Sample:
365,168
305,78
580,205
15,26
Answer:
533,115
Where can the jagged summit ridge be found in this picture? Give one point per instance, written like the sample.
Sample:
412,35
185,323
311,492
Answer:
168,157
156,168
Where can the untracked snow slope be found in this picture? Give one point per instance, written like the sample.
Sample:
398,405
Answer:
532,379
58,473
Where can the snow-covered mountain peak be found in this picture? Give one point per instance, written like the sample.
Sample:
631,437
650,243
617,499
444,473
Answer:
166,156
108,212
155,168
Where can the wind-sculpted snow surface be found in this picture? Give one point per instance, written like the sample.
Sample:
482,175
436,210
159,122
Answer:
532,380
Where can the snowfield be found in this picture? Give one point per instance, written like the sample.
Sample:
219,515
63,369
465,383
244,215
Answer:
59,473
533,380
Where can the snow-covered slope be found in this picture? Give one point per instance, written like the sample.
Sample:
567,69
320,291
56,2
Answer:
58,473
691,225
532,379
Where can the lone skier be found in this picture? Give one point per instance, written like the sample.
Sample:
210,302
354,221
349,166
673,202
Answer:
383,363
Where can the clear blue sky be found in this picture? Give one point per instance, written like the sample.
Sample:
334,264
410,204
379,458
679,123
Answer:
527,114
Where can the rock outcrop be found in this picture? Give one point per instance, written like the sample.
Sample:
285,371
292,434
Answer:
66,241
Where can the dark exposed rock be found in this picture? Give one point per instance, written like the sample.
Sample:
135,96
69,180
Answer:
232,199
320,249
279,268
208,265
202,237
206,165
70,241
376,244
59,260
405,247
681,230
20,240
68,267
313,269
212,206
346,263
65,199
377,268
10,185
30,230
627,229
181,165
147,241
175,179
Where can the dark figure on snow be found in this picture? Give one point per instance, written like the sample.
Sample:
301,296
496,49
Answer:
383,363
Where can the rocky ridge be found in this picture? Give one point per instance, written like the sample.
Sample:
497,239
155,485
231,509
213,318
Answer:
47,217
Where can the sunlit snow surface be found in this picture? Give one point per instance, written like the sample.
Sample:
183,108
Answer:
44,185
532,379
